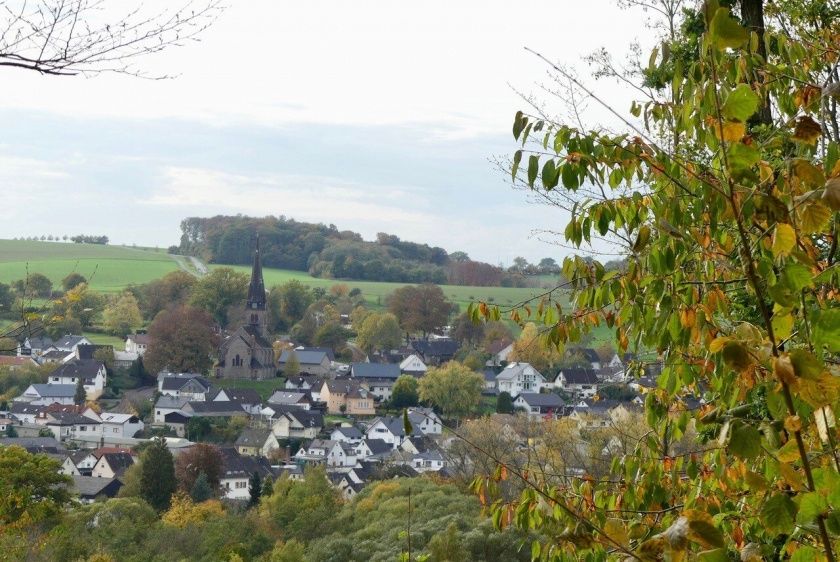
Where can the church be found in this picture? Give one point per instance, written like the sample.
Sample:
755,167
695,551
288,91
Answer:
247,353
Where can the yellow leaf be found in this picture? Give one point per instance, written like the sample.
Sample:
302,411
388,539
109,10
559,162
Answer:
733,131
807,173
791,476
614,529
793,424
782,325
783,369
717,344
821,391
807,130
831,194
783,240
814,216
788,452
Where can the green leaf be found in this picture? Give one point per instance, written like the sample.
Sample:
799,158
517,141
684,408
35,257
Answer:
798,277
810,506
778,514
805,365
827,330
519,122
741,159
735,356
517,158
716,555
741,103
805,554
725,31
536,548
550,175
745,442
782,325
570,177
533,169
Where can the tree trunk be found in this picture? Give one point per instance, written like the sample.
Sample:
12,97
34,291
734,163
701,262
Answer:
752,16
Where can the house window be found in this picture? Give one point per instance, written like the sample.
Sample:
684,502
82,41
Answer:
254,318
83,428
237,361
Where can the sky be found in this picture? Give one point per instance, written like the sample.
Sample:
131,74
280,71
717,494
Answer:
371,115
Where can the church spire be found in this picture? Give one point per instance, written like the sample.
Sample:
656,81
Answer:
256,290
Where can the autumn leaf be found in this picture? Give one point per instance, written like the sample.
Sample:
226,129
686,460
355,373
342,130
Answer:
807,130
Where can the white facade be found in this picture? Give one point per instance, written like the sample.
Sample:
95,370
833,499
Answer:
120,425
519,377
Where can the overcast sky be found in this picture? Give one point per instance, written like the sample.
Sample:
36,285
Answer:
372,115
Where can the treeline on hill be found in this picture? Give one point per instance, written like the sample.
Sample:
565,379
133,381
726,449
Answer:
324,251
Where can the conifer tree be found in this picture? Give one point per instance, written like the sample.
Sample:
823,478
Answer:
157,477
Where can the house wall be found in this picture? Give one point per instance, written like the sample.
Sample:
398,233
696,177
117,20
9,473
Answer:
235,488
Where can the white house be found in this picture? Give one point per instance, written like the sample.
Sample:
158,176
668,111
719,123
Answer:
92,372
500,357
347,434
580,383
237,471
112,465
391,430
426,420
382,389
191,386
413,365
137,344
537,404
167,405
297,424
69,425
70,342
120,425
519,377
328,452
256,442
288,398
45,394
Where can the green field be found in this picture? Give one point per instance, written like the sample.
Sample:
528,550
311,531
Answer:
108,268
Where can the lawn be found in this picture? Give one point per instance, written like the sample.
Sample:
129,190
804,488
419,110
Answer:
108,268
265,388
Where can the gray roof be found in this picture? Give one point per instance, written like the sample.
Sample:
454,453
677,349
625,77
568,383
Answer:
79,368
177,382
513,370
236,465
215,408
243,395
70,418
25,408
68,341
351,432
35,444
579,375
287,397
89,487
375,370
55,390
306,357
307,418
253,437
378,446
171,402
541,400
119,462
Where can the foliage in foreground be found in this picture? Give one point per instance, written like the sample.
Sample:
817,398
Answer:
729,222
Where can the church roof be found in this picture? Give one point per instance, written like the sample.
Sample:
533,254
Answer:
256,290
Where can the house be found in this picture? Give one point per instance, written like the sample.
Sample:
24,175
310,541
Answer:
247,397
69,425
382,389
413,365
390,429
89,488
35,346
16,363
177,422
642,384
137,344
247,353
25,412
347,397
191,386
38,446
379,371
327,452
92,372
237,471
45,394
303,382
297,424
311,362
489,375
517,378
435,352
615,362
499,351
256,442
374,450
347,434
54,356
88,351
426,420
539,404
120,425
78,463
167,405
286,398
112,465
427,461
587,354
70,342
579,382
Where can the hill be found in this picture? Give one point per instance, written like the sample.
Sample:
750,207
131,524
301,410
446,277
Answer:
324,251
112,268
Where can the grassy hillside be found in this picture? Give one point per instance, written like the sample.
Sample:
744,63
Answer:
109,268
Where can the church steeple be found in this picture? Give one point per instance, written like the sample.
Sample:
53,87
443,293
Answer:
256,290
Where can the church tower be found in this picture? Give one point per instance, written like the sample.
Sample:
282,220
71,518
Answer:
255,313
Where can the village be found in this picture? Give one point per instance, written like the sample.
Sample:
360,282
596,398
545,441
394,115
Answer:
322,412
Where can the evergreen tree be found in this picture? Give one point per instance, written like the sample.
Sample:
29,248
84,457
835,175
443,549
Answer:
267,487
157,478
201,490
504,403
11,431
255,488
80,396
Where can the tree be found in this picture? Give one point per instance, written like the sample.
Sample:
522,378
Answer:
201,489
504,403
79,306
455,390
220,290
254,489
201,458
157,475
36,285
181,339
80,396
404,393
529,349
379,330
173,289
72,280
267,487
68,38
122,316
729,225
548,266
288,302
332,335
292,365
31,488
421,308
467,332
